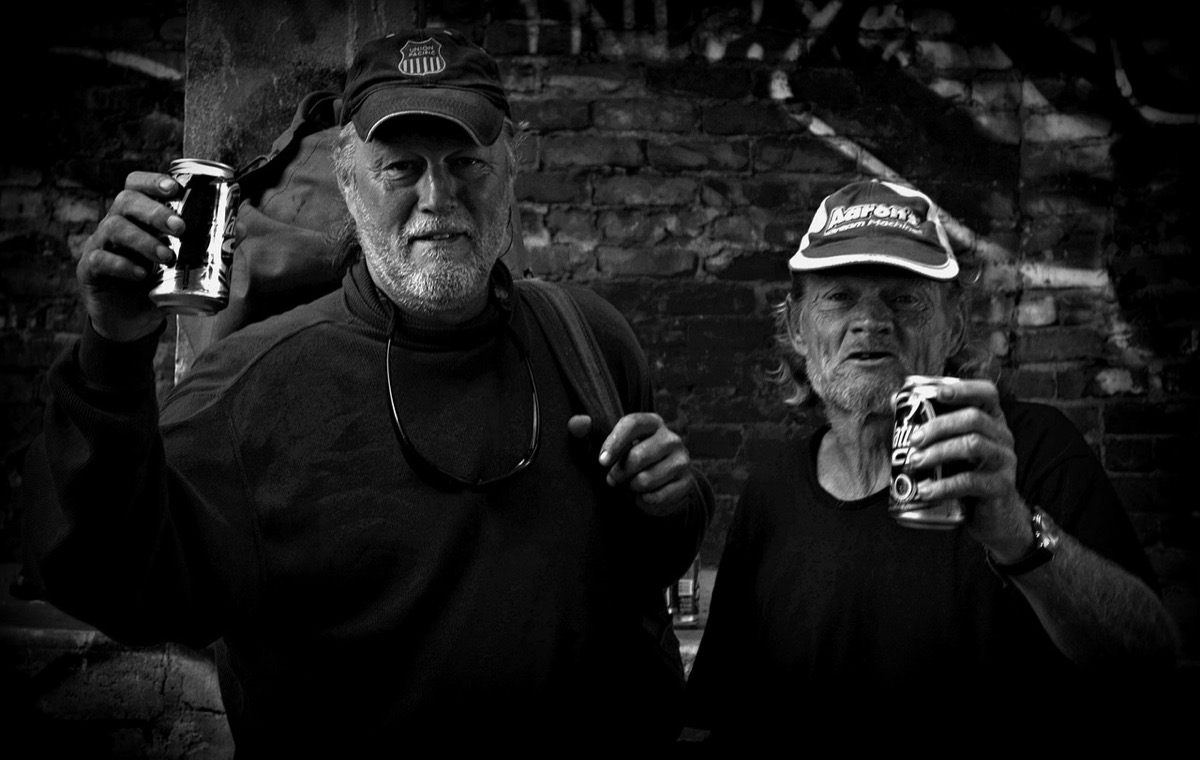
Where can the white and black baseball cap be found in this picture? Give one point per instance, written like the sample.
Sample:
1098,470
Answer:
877,222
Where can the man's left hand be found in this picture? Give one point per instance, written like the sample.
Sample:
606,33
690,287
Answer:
644,455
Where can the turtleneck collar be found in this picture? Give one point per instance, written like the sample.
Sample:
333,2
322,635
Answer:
369,303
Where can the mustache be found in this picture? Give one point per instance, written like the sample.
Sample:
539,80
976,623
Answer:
440,226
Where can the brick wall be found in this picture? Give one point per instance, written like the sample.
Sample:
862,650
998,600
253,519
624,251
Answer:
678,152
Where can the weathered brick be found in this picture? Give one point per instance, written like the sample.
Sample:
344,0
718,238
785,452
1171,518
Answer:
560,260
1057,344
735,333
632,227
745,119
727,155
570,226
661,115
648,261
553,114
587,150
1027,383
1037,311
77,211
18,204
709,298
776,189
1117,381
803,153
785,230
942,55
646,190
705,80
750,266
1048,161
723,192
1060,127
1072,383
553,187
592,78
739,228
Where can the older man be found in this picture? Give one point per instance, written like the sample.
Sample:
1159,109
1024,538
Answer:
830,616
384,506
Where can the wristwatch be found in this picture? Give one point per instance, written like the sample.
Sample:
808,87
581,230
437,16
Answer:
1045,541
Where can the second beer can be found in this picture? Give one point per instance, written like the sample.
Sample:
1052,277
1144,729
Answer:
198,282
916,404
683,598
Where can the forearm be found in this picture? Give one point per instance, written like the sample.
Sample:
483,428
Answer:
1098,614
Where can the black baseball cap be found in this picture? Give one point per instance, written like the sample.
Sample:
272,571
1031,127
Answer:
877,222
429,72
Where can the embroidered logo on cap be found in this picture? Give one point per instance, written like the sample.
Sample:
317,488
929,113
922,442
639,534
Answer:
421,58
872,214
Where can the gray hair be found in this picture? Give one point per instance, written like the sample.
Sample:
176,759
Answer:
970,359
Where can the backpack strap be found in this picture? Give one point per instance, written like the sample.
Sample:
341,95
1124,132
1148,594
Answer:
576,349
578,353
318,110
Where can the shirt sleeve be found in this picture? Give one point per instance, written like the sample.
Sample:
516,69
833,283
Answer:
1057,471
108,528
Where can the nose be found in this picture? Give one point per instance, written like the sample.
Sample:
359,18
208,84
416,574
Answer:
438,190
872,316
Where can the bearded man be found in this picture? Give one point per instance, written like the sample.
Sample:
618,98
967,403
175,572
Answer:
833,617
385,506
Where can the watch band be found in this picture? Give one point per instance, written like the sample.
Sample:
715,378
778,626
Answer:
1045,541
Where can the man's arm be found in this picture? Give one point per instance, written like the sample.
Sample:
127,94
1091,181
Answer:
100,535
1099,614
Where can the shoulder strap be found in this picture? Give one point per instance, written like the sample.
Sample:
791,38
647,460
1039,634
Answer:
578,353
576,349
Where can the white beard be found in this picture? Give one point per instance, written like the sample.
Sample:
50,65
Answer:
442,284
859,394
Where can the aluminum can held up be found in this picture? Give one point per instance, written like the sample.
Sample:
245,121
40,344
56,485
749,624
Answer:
198,282
914,405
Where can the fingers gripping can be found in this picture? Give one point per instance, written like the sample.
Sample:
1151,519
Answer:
198,282
916,404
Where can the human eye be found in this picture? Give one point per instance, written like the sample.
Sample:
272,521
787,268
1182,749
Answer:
470,166
907,300
401,170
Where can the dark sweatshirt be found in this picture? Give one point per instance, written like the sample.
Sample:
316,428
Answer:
354,605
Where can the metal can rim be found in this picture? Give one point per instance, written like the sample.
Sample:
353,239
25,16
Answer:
915,380
202,166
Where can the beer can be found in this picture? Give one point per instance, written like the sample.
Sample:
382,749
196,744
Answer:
914,405
198,282
683,598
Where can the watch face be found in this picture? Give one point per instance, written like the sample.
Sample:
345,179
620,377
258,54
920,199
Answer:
1045,531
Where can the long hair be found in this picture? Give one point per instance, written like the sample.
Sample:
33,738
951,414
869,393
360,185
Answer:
969,359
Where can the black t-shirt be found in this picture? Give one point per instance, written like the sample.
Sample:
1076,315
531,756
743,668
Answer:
828,615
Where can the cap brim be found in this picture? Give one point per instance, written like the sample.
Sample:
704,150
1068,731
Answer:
924,260
482,120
